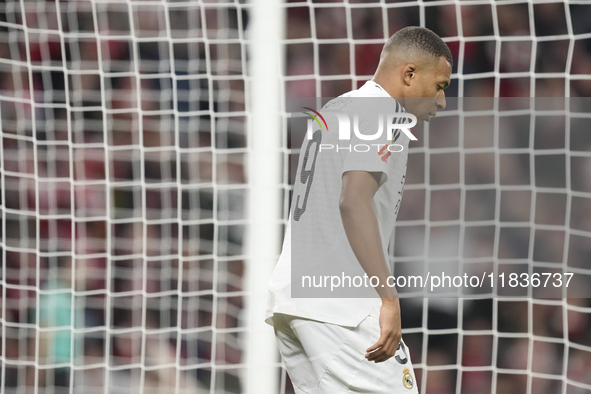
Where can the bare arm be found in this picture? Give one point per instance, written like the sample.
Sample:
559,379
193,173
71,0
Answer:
361,226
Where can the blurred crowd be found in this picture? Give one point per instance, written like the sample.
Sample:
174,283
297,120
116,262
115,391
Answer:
124,183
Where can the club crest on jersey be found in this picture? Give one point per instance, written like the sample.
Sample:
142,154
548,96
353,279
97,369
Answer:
407,380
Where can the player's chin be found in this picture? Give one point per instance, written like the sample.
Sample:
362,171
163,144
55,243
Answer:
428,117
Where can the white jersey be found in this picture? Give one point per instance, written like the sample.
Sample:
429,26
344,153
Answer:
315,216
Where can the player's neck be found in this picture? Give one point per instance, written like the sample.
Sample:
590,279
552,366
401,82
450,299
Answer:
388,82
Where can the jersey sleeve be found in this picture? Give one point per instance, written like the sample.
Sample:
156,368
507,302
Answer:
366,153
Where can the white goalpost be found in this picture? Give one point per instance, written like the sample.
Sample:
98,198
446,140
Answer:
265,200
146,165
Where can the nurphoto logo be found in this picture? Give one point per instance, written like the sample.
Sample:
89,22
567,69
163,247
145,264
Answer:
394,125
318,115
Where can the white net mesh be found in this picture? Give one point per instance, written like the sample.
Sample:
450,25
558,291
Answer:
123,186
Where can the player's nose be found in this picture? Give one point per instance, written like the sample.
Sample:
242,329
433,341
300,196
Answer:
441,103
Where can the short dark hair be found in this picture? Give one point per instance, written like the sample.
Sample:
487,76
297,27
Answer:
419,39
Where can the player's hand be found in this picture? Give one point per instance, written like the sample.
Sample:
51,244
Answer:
390,332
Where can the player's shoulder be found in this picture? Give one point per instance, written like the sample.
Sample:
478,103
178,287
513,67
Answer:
366,95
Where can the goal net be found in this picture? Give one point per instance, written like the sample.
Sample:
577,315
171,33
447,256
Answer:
140,217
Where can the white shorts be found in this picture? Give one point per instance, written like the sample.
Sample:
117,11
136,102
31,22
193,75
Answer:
323,358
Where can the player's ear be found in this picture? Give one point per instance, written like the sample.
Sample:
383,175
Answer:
410,71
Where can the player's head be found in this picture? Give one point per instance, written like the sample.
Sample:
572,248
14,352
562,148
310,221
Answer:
415,43
416,63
